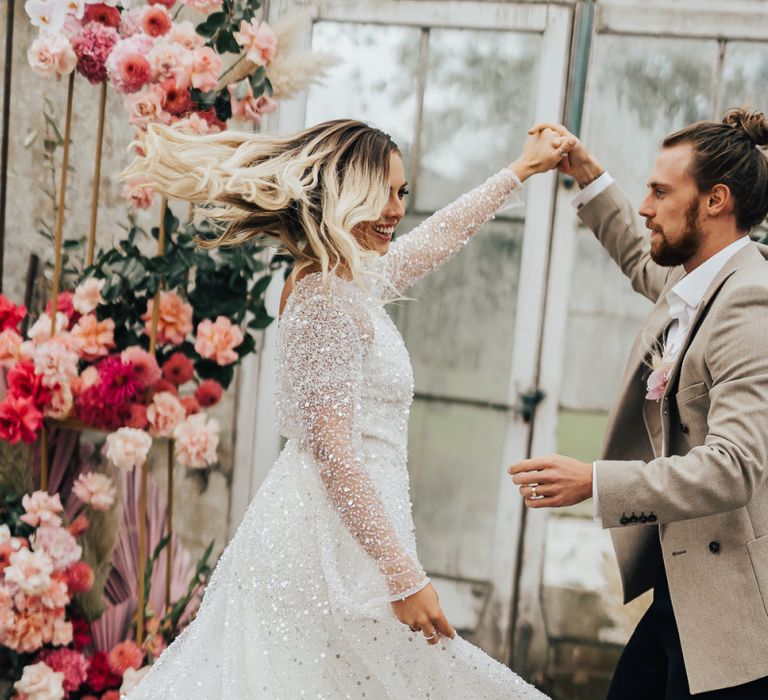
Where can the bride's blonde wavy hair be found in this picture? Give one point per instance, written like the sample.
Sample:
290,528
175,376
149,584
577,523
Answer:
309,190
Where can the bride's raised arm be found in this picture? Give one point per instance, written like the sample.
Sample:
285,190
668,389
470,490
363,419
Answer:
326,342
443,234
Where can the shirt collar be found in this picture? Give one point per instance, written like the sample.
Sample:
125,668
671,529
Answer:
691,288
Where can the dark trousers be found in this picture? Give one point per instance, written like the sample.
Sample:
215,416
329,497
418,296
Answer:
651,666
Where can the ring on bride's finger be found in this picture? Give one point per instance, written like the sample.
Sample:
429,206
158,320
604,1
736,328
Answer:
563,153
431,636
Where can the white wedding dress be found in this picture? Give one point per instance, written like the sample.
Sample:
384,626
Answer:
298,606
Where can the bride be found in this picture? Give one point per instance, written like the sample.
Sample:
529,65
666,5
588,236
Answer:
320,593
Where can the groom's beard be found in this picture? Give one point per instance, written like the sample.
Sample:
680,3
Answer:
669,254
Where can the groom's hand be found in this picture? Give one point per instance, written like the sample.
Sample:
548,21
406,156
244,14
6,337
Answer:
553,481
580,164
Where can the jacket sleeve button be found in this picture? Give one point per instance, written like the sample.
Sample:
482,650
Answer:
684,428
714,547
633,518
624,520
643,518
652,518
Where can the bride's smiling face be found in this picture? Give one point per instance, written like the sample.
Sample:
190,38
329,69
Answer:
376,235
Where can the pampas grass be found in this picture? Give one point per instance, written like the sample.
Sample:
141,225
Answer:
15,474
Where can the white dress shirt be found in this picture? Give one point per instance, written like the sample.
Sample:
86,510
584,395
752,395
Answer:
683,299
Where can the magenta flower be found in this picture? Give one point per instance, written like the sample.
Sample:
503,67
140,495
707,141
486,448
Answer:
92,48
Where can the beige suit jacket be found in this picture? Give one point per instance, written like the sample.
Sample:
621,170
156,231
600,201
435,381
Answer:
685,478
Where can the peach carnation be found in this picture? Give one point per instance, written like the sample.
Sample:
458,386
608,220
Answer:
41,508
97,490
59,544
10,348
217,339
174,319
40,682
164,414
197,439
30,571
128,448
87,295
125,655
94,338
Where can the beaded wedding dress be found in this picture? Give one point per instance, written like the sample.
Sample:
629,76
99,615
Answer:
298,606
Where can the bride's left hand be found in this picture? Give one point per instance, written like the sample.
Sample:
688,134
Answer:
542,151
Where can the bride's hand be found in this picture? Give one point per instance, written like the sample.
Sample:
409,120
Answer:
422,613
542,151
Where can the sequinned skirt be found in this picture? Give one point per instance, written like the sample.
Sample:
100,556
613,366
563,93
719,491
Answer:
296,609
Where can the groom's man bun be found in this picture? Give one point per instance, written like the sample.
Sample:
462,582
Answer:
728,153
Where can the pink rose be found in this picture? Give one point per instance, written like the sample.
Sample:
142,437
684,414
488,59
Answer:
199,125
57,542
40,682
171,60
177,100
95,489
206,6
184,33
128,67
216,340
128,447
56,360
41,509
206,66
30,571
164,414
249,108
139,195
94,338
52,56
10,348
87,295
156,21
41,329
174,320
196,441
147,108
259,41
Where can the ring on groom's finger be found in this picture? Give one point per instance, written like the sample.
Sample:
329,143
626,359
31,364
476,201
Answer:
533,492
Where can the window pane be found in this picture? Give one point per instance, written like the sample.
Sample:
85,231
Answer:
455,311
375,80
478,105
745,75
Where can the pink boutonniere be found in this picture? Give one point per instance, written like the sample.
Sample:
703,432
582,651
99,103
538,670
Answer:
661,365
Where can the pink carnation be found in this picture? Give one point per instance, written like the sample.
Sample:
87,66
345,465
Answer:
92,48
174,320
52,56
184,33
41,508
145,365
206,6
206,66
87,295
58,543
156,21
94,338
196,441
40,682
217,339
164,414
249,108
41,329
10,348
72,664
128,448
56,360
95,489
125,655
138,194
259,40
29,571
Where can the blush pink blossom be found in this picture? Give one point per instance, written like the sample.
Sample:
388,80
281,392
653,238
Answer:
130,22
206,6
59,544
259,40
40,682
72,664
199,125
249,108
217,339
62,631
128,448
41,329
89,377
41,509
138,194
56,360
206,67
94,338
174,321
164,414
10,348
196,441
92,47
87,295
52,56
145,364
97,490
127,66
184,33
171,60
61,403
147,107
29,571
56,596
156,21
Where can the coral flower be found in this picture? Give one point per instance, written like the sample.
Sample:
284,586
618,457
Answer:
125,655
209,393
95,489
41,508
174,320
217,339
164,414
94,338
177,99
25,383
178,369
156,21
10,313
80,577
137,416
103,14
191,405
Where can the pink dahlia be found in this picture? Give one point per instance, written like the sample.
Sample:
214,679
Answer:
92,47
92,409
125,655
10,313
209,393
119,382
178,369
71,663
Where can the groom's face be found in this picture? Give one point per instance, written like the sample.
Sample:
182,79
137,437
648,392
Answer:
671,209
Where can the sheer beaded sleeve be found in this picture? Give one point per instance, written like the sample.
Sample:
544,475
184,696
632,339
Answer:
325,342
443,234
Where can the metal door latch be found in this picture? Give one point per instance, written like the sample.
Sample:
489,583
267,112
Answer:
528,401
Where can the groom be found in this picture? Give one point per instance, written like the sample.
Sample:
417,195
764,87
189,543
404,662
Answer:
683,483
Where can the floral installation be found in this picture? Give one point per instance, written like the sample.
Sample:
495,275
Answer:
206,61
